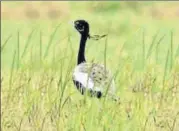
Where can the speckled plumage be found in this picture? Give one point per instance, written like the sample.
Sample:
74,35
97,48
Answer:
94,76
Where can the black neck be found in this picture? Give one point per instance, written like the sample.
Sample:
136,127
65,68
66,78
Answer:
81,53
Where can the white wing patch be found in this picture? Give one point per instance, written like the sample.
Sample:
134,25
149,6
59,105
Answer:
94,76
83,79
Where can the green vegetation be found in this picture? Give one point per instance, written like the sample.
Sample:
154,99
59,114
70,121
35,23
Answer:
142,50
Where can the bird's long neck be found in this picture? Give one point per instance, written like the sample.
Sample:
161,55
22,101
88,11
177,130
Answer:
81,53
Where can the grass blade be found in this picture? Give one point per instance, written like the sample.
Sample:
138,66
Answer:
50,41
143,48
166,65
152,44
10,80
18,49
177,52
105,52
105,46
171,52
53,57
3,45
69,41
157,48
40,50
174,121
27,43
164,76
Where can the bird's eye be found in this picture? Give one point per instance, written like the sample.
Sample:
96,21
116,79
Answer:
80,27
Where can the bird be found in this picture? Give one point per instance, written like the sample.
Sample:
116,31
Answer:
91,77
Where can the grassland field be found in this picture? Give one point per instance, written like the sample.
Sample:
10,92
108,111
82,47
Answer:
38,53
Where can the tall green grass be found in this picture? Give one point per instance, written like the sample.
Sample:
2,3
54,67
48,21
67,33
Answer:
48,100
37,66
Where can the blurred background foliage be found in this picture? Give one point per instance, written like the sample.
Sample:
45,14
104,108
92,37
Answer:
122,20
64,9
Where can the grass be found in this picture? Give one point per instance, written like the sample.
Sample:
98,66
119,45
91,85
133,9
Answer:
38,57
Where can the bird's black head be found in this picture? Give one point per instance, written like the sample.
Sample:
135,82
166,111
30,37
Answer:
82,27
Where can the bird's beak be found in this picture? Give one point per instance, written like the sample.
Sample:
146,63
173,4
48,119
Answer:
71,23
